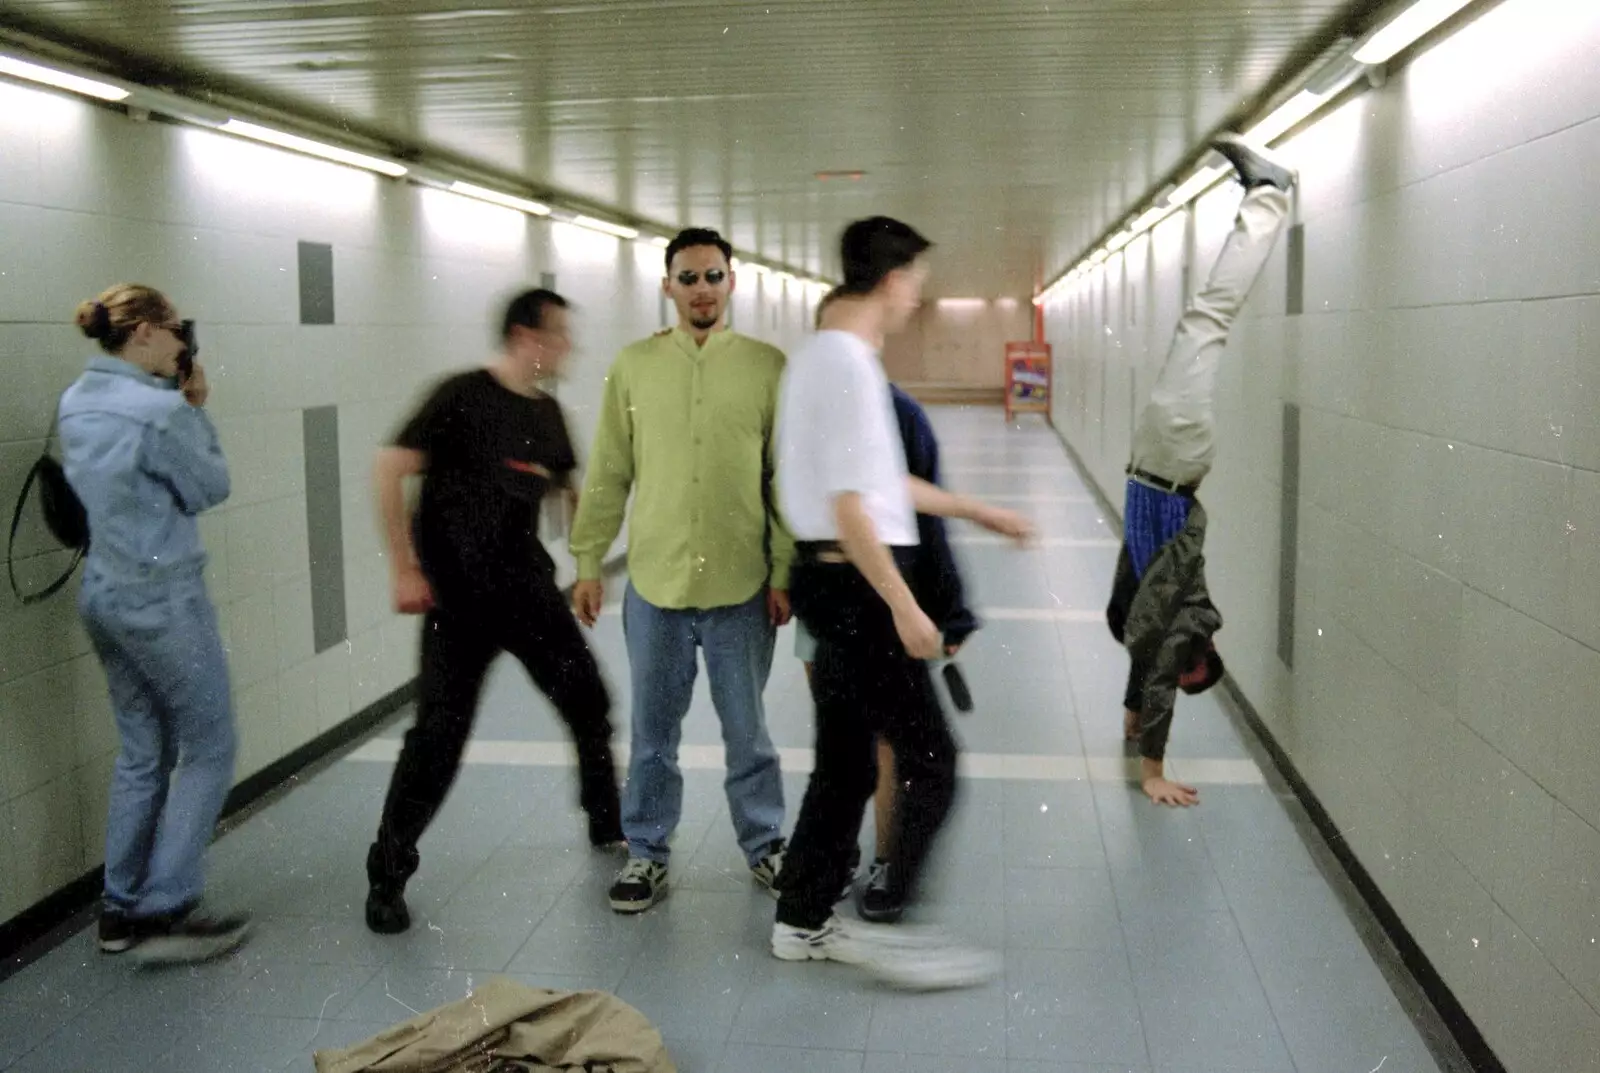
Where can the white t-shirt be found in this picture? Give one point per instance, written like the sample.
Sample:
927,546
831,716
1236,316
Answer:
837,434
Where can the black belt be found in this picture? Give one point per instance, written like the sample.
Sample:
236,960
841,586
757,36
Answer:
1162,483
820,551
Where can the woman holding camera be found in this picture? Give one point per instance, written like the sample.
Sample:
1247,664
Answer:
142,455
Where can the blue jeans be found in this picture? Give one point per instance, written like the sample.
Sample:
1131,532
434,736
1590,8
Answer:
662,662
157,638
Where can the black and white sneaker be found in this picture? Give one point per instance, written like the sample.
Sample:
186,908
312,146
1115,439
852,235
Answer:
767,870
188,938
641,884
906,958
876,903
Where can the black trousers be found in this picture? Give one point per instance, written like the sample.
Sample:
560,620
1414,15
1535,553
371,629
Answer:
864,685
460,639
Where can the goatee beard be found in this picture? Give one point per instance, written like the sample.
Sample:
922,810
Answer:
704,324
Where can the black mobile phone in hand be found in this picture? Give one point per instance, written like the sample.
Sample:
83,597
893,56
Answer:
960,695
191,347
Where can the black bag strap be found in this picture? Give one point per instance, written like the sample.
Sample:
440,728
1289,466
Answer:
16,523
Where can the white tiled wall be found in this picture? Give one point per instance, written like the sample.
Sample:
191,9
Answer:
89,198
1443,702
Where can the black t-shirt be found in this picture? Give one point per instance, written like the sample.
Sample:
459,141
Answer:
493,455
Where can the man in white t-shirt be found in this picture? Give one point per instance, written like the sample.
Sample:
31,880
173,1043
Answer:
846,496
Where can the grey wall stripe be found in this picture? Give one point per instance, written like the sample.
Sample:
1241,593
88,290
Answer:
1289,534
325,526
316,283
1297,270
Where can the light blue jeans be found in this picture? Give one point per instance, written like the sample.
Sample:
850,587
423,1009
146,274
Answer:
158,640
738,643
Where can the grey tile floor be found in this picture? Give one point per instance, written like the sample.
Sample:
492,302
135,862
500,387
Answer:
1134,939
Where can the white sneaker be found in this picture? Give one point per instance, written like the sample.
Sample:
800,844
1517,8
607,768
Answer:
918,960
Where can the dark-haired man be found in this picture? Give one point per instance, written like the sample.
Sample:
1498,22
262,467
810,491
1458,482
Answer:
686,428
490,446
1160,609
852,507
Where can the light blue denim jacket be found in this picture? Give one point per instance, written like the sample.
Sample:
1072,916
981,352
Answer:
145,463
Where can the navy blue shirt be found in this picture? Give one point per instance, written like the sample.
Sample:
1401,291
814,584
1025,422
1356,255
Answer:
935,580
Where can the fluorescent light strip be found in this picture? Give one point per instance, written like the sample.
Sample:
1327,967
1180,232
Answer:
311,148
660,241
1285,117
1150,218
1401,31
49,76
1197,184
605,227
1119,240
494,197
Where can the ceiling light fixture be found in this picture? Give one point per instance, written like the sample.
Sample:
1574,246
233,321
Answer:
494,197
311,148
1194,186
1151,217
605,227
49,76
1404,29
1286,117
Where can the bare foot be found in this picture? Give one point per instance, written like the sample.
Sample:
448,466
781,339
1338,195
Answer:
1172,794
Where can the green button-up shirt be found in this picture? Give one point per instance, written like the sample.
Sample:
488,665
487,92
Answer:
689,431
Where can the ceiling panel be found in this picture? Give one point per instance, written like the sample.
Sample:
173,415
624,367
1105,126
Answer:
1010,132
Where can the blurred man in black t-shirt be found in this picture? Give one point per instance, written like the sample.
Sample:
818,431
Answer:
490,446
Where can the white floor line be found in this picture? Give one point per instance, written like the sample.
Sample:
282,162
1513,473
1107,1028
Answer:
996,614
1064,469
1027,498
1002,766
985,540
1041,614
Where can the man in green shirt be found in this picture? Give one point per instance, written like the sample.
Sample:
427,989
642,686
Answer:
686,426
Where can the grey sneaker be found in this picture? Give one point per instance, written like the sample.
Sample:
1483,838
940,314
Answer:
641,884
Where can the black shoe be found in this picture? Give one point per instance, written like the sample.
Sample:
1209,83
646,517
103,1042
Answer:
606,833
386,910
188,938
118,932
1255,164
876,903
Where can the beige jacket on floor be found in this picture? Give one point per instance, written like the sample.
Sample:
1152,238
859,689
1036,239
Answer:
507,1027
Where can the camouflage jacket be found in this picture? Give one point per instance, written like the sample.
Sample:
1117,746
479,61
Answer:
1161,619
